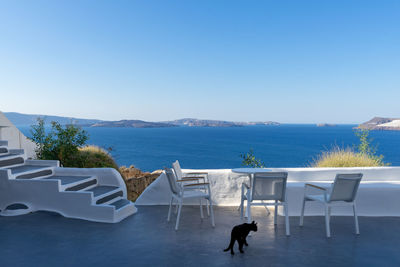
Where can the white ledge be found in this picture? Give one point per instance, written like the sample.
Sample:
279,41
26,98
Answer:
380,187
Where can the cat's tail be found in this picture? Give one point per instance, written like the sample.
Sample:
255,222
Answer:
230,245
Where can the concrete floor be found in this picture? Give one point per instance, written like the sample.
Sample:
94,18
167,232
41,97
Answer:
146,239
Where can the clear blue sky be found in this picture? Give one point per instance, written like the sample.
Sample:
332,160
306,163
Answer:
287,61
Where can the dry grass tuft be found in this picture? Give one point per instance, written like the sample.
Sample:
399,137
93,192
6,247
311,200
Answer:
96,157
339,157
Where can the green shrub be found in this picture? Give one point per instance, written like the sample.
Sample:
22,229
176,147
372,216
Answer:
250,160
339,157
96,157
61,143
66,144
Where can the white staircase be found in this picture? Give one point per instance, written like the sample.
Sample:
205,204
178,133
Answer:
95,194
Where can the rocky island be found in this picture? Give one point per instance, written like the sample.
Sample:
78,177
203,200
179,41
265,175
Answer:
326,125
188,122
29,119
132,124
379,123
216,123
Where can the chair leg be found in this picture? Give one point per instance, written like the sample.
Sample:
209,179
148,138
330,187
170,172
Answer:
201,209
285,206
266,208
356,219
170,208
208,208
179,214
241,202
241,207
248,211
327,226
176,207
276,213
302,212
212,213
268,211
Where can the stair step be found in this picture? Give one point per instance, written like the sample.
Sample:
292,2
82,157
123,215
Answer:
82,186
10,161
38,174
30,171
8,155
3,143
26,168
5,155
120,203
105,193
109,197
102,189
68,182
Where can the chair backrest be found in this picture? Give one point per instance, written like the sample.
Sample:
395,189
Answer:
177,169
173,185
345,187
269,186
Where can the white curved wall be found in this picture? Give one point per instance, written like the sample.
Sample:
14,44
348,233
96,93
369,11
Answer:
16,140
379,193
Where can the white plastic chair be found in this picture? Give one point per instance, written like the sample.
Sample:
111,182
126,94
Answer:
191,177
180,192
266,186
342,193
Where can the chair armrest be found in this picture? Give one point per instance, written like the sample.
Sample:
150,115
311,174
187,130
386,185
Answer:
316,186
192,177
196,172
187,180
187,185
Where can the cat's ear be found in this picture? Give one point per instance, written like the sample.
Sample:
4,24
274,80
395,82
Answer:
253,222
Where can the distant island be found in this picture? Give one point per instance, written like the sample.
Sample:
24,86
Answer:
215,123
131,124
326,125
188,122
30,119
379,123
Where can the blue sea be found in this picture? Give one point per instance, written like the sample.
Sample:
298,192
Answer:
214,148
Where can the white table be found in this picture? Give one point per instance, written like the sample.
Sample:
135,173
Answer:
250,172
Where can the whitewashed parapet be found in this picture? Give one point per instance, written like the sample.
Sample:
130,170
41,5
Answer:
380,188
15,138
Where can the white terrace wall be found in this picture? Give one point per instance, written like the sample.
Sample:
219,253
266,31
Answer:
379,193
16,140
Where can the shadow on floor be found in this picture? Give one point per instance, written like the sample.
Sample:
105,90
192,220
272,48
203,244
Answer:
47,239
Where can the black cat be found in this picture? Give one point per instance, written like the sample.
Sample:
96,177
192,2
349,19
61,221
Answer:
239,233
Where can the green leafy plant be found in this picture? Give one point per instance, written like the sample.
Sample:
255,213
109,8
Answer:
250,160
61,143
365,146
40,138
